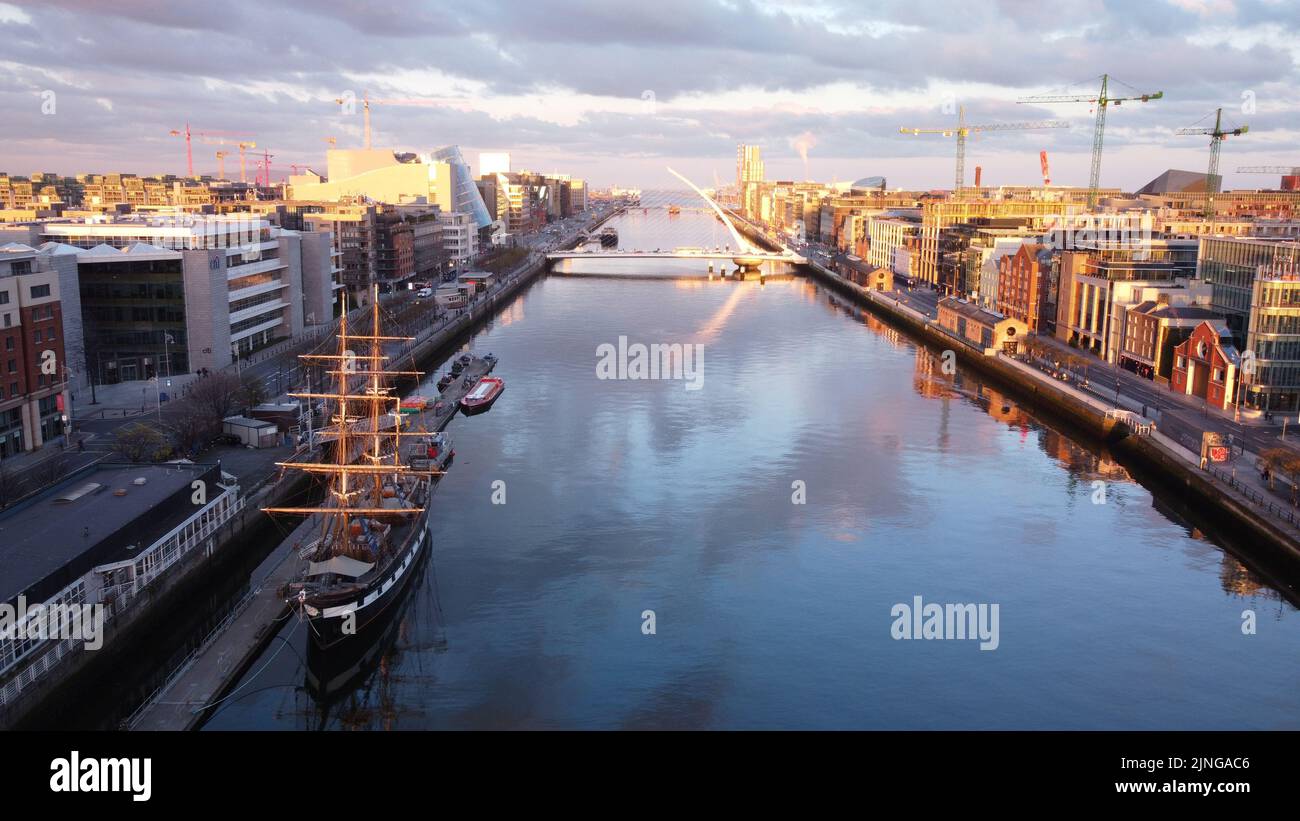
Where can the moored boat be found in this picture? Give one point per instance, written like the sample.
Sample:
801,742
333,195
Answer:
482,396
373,519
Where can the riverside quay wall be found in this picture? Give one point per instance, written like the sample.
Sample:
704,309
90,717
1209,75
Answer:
1264,534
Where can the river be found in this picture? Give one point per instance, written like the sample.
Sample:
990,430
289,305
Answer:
774,513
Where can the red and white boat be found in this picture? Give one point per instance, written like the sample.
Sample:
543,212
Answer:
482,395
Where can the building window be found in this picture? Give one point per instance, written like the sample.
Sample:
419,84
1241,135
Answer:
1181,362
39,291
4,297
1216,375
36,336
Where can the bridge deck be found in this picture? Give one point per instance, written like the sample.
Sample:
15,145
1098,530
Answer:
766,256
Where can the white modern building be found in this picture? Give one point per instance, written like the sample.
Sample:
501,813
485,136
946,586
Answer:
176,293
459,236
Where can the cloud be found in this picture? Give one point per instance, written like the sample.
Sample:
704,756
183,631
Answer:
562,84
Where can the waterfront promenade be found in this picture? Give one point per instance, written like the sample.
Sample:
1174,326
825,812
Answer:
1237,487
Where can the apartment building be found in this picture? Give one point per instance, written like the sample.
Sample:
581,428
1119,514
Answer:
33,364
1099,280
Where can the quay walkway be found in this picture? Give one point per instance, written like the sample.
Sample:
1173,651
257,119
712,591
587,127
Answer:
202,681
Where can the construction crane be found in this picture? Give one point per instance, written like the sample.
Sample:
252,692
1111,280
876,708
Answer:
264,168
1290,174
1217,135
1042,161
189,149
365,105
366,102
963,130
1102,100
243,174
221,164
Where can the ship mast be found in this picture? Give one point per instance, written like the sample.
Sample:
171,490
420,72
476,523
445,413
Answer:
342,504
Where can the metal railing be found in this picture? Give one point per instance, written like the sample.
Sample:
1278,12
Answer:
1290,516
130,721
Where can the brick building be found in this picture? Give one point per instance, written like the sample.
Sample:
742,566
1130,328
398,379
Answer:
1206,364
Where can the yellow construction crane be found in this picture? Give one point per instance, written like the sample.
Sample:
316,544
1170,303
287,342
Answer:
221,164
962,130
243,173
1102,101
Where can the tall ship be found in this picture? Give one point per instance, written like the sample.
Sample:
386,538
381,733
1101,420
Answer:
372,520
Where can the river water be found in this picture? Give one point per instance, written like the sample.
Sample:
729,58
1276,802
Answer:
627,496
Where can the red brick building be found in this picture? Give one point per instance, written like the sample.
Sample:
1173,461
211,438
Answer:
1206,364
33,372
1022,286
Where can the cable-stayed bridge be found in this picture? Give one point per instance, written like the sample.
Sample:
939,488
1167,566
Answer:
731,245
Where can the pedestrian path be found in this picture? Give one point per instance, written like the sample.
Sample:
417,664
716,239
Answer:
129,399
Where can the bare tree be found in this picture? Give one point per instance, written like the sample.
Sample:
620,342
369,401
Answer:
191,424
141,443
252,390
1271,460
216,396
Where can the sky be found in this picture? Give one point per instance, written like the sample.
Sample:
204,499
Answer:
615,91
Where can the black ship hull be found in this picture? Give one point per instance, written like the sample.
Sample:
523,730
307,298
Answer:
336,619
338,670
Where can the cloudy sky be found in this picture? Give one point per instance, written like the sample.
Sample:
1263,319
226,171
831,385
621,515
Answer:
613,91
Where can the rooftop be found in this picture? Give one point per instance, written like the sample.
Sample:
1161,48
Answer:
971,310
52,539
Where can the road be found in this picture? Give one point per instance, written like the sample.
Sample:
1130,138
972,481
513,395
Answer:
1179,416
277,368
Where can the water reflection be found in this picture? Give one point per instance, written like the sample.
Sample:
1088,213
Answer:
632,495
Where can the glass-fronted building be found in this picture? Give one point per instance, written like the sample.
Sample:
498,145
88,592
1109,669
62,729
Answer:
1256,286
465,195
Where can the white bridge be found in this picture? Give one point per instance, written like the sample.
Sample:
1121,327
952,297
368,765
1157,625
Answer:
746,255
749,259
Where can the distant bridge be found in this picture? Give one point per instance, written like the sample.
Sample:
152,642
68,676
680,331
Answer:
750,259
746,255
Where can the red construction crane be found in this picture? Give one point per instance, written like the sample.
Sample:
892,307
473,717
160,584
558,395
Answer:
188,135
1047,175
264,168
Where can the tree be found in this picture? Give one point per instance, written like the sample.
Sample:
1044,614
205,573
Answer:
252,390
141,443
1291,466
1272,460
216,396
191,424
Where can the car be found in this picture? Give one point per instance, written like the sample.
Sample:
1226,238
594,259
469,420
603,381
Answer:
424,293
